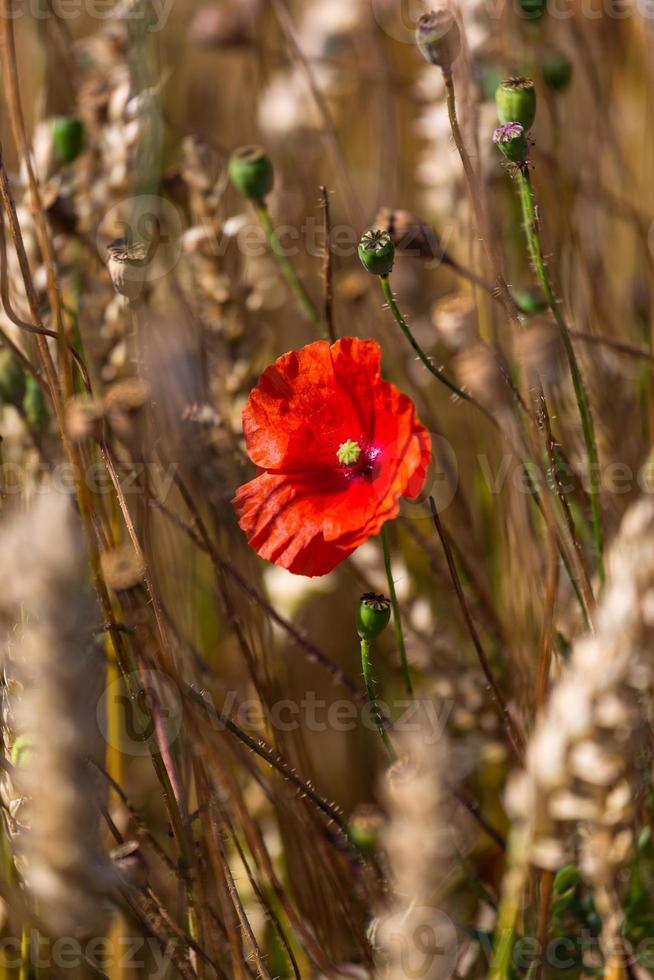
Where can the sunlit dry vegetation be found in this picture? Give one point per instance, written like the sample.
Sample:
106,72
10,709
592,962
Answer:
327,536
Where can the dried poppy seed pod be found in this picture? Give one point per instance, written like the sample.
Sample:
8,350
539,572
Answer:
511,140
251,172
84,417
438,38
377,252
121,568
68,138
373,615
515,99
127,263
557,71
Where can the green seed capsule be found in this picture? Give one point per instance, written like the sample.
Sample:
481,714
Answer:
373,615
251,172
438,38
557,71
68,138
516,102
36,411
12,379
377,252
511,140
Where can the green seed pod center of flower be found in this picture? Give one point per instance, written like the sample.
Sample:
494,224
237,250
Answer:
349,452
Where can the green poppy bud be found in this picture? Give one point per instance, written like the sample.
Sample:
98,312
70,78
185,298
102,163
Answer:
251,172
377,252
516,102
12,379
36,411
438,38
557,71
529,301
68,138
533,9
373,615
512,141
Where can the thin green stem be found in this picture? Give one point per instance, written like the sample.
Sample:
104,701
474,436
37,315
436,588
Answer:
287,270
397,619
404,327
24,969
372,696
535,245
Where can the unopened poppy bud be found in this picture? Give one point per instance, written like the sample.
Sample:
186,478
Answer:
377,252
438,38
12,379
512,141
533,9
251,172
516,102
557,71
373,615
68,138
530,301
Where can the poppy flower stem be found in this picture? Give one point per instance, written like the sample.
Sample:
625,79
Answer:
397,620
535,245
285,267
404,327
369,680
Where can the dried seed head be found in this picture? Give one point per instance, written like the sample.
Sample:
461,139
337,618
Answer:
121,568
125,402
455,319
438,38
516,102
128,264
84,418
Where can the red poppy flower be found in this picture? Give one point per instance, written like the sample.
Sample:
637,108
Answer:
337,446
